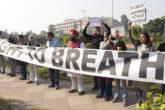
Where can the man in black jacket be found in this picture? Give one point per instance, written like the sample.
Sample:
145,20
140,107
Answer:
95,39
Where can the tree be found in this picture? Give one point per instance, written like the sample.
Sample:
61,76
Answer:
124,22
163,18
155,26
136,31
42,33
51,28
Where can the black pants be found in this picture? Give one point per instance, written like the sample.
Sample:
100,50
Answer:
95,79
23,69
54,76
163,89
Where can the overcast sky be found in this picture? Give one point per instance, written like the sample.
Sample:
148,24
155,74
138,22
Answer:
36,15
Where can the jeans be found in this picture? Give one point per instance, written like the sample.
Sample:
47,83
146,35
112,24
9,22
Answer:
140,95
105,88
54,77
125,91
3,62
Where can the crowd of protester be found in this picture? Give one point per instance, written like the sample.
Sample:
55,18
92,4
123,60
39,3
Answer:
101,84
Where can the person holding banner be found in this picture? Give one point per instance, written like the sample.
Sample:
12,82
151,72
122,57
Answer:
54,74
76,79
12,61
120,46
21,63
95,39
143,45
33,69
2,58
105,84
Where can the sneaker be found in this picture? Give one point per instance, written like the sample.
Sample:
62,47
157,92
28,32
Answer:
125,103
108,99
82,93
57,87
37,83
99,96
9,74
30,82
51,86
115,100
73,91
12,75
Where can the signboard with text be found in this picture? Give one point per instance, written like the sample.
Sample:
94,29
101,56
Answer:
138,13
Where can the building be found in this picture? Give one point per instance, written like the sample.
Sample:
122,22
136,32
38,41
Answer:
79,24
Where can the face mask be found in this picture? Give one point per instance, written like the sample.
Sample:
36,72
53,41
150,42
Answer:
119,48
97,33
105,39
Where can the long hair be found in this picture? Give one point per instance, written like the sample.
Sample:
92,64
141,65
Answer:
121,44
148,40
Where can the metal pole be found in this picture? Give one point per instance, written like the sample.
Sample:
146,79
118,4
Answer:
84,11
112,13
164,31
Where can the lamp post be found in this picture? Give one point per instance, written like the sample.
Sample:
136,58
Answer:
84,11
112,13
164,31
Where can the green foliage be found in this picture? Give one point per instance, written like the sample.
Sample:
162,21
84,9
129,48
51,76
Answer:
66,40
87,45
60,39
136,31
126,39
157,102
155,26
163,18
41,39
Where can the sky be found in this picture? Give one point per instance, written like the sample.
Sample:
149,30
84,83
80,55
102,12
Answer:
36,15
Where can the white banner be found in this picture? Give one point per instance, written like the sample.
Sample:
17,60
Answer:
138,13
94,22
148,67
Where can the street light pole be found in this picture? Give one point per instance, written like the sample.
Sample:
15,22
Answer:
112,13
164,31
84,11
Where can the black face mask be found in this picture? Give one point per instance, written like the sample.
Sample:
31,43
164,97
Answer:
72,38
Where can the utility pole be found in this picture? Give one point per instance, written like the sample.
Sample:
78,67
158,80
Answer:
84,11
164,31
112,13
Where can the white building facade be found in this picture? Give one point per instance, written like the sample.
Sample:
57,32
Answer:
79,24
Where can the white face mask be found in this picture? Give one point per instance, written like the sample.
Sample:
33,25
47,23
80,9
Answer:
105,39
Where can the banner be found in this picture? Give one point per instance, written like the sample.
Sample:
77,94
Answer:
94,22
138,13
118,31
148,67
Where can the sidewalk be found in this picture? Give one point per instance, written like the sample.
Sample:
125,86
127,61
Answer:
33,97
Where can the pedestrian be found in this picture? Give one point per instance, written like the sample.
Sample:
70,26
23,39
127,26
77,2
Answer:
95,39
